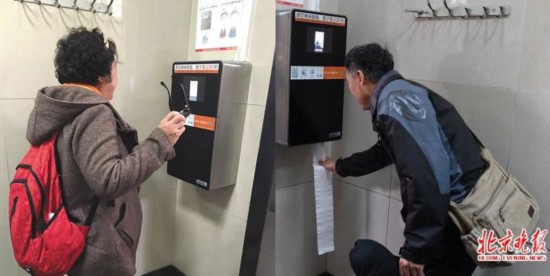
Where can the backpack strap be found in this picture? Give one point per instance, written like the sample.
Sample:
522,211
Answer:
96,200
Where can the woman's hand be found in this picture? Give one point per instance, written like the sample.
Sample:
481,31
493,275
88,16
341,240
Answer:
173,125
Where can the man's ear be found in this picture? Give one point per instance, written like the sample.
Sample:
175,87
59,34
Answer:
360,77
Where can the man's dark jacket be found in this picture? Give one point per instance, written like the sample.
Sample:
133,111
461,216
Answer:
434,152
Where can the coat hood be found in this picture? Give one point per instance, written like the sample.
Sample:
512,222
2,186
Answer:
56,106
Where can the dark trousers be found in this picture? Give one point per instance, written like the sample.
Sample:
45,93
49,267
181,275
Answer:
369,258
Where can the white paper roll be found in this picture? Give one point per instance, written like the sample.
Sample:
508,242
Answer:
324,205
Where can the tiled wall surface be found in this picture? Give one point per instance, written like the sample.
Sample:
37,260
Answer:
494,71
146,49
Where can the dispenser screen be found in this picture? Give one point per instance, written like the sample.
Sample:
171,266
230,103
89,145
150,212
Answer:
193,90
319,40
195,86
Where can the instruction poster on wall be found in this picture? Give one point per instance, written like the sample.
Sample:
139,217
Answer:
219,25
292,3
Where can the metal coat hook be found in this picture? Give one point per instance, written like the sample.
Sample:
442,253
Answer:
109,8
441,12
456,12
464,12
92,6
77,5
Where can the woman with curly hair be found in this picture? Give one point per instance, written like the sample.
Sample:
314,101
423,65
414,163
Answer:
101,162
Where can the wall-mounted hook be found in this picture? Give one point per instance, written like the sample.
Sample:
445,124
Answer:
421,13
493,11
505,10
38,2
109,11
92,6
476,12
75,5
456,11
438,12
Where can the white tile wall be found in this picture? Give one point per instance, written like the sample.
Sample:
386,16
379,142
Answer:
373,21
5,178
529,162
296,234
8,265
14,117
293,165
463,51
247,163
36,51
358,214
350,209
535,62
156,248
488,111
530,149
208,240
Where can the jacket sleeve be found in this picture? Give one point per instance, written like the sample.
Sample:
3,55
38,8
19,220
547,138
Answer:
423,167
98,156
362,163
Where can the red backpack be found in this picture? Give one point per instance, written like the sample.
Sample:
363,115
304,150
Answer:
45,241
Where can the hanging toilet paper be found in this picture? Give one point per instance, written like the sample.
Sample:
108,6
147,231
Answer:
324,205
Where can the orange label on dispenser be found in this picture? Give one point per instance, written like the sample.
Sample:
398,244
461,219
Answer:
317,72
320,19
199,121
201,68
334,73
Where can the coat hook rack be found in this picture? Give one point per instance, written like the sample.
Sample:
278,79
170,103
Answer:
462,12
77,5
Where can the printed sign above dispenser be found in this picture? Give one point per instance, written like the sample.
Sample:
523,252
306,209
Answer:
207,154
311,49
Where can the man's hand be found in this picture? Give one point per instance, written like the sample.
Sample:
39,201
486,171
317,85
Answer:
329,164
407,268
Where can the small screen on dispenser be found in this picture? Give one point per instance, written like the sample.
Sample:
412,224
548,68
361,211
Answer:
193,90
319,41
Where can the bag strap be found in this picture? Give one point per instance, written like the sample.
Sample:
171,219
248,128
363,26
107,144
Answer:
96,200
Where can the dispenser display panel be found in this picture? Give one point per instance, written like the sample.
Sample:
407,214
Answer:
207,154
311,49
